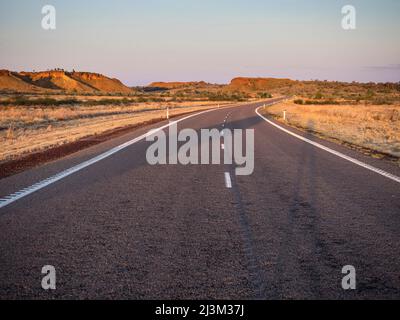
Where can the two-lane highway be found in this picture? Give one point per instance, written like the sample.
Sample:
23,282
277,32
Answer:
121,228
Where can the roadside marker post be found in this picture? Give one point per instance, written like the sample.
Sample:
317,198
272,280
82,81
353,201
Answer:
167,112
284,115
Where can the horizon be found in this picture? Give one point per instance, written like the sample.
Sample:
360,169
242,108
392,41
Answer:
212,42
197,81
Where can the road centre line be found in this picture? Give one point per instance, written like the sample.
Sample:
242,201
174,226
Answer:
228,182
7,200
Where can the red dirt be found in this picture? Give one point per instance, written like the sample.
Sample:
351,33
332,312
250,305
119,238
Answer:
23,163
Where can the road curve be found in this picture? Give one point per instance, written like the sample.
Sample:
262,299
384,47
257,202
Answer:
120,228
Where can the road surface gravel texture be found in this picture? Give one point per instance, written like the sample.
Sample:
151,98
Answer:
121,228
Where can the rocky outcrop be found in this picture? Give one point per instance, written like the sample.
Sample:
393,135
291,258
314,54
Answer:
60,81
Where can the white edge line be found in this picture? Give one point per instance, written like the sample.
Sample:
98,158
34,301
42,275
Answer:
228,182
336,153
8,199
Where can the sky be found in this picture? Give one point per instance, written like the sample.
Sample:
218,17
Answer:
140,42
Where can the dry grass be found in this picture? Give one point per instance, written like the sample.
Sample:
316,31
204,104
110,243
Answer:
376,127
28,117
25,129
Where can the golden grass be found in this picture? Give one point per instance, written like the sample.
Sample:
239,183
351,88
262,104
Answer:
23,117
376,127
26,130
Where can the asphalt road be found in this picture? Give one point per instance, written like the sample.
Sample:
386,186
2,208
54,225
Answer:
121,228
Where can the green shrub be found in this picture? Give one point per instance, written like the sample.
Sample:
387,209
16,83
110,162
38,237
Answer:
381,101
222,96
369,94
321,102
318,95
264,95
299,101
23,101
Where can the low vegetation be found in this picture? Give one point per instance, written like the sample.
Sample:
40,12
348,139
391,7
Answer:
343,93
370,126
318,102
52,102
26,129
230,96
34,115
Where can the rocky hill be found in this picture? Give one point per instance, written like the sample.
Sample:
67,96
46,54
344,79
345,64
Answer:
258,84
100,82
11,81
179,85
60,81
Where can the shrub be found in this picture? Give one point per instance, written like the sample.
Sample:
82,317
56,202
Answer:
369,94
321,102
318,95
264,95
220,96
381,101
23,101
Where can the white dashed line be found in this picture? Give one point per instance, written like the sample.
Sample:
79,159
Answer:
334,152
228,182
61,175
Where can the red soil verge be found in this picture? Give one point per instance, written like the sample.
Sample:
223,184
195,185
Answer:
31,160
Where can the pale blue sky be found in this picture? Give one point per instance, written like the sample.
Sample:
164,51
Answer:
212,40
